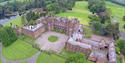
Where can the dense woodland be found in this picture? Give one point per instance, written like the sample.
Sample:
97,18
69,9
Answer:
102,20
53,6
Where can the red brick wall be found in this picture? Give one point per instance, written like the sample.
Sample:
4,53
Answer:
75,48
34,34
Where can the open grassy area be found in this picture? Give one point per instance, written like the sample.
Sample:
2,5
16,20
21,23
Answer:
45,58
16,21
53,38
19,50
81,12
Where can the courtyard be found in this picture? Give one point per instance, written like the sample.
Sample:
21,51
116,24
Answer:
47,45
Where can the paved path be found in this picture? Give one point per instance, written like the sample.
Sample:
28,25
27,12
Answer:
56,46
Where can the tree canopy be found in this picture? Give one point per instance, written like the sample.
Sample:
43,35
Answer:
53,6
7,36
121,45
77,58
96,6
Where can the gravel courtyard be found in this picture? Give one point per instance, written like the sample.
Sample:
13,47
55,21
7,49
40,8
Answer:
46,45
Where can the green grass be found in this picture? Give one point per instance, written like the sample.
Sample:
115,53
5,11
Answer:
118,12
45,58
0,61
19,50
81,12
16,21
52,38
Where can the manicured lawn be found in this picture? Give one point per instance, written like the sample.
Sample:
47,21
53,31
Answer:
45,58
16,21
53,38
19,50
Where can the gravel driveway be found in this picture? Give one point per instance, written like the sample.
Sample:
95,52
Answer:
56,46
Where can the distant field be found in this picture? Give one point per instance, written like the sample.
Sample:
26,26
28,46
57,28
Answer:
81,12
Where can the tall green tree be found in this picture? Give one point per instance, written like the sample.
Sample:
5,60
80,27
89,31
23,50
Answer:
113,28
121,45
96,6
7,36
77,58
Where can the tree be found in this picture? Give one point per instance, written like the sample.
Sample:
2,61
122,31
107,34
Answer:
76,58
7,36
96,6
113,28
123,18
121,45
1,25
23,20
52,6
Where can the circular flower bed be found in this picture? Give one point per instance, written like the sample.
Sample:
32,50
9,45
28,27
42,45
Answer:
52,38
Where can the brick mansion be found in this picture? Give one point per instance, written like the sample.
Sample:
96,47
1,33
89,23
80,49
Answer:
99,50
